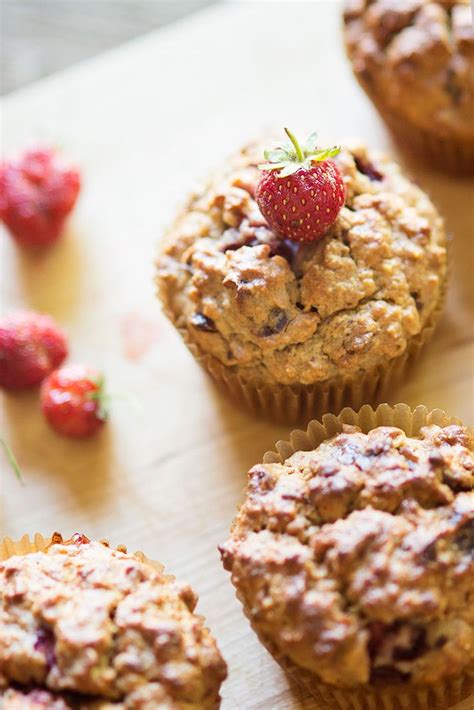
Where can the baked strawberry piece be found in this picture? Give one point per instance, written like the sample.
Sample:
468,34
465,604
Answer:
31,346
37,193
73,401
301,191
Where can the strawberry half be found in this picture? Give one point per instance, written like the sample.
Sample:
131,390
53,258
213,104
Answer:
301,191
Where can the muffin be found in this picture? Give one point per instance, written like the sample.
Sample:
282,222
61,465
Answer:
354,560
87,627
294,330
148,697
32,700
415,60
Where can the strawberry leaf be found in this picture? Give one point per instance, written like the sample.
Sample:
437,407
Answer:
290,169
101,397
275,156
11,460
324,154
273,166
290,151
311,143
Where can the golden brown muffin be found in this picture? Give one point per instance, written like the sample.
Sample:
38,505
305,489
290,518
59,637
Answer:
148,697
354,561
415,60
106,627
32,700
278,314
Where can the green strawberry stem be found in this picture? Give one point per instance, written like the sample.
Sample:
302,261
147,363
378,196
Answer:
11,459
298,149
102,398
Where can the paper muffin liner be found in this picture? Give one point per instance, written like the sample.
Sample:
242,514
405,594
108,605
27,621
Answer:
378,697
447,153
39,543
296,404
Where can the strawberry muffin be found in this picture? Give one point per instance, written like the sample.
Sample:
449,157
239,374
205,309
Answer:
415,60
293,326
354,560
86,627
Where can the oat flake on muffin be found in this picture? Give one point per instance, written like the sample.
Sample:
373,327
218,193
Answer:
87,626
415,60
282,313
355,560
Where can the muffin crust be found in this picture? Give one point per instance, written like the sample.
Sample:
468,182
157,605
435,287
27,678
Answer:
417,58
98,623
149,697
32,700
355,560
278,312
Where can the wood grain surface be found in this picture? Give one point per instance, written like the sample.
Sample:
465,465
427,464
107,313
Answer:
144,122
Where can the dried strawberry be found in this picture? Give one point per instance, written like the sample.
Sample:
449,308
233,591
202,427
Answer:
31,346
36,195
301,191
73,401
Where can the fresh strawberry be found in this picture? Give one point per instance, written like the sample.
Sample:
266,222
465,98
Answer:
31,346
301,191
73,401
36,195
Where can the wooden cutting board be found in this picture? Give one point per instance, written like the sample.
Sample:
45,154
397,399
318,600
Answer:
144,122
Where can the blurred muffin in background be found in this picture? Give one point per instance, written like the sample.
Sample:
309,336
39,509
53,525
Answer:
415,60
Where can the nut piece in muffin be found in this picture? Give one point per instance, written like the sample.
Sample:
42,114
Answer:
415,60
278,313
87,626
354,561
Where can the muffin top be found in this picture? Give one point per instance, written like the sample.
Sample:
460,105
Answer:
32,700
355,560
146,697
85,619
418,57
280,312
